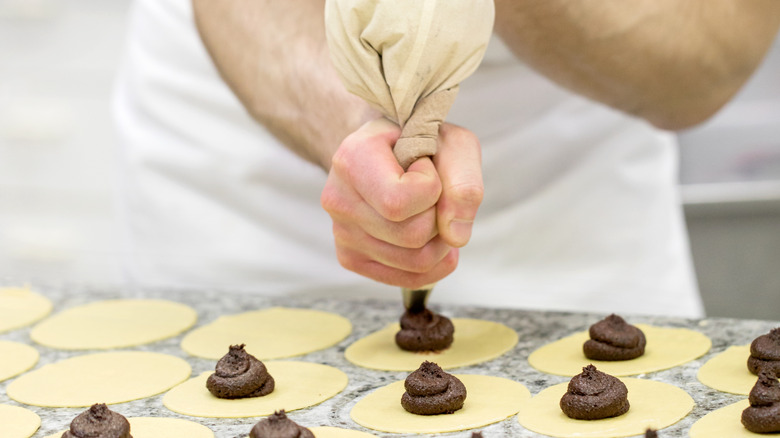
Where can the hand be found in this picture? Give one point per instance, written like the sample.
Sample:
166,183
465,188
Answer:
387,222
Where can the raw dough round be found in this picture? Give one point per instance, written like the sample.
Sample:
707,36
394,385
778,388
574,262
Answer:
20,307
159,427
728,371
724,422
16,422
666,348
269,333
653,404
489,400
298,385
114,324
16,358
109,378
337,432
476,341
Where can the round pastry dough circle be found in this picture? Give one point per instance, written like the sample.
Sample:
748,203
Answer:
728,371
653,405
114,324
16,422
160,427
726,421
298,385
337,432
109,378
475,341
20,307
489,400
666,348
272,333
16,358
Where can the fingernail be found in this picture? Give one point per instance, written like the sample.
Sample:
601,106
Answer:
460,231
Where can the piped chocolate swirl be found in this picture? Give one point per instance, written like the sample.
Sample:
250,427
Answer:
431,391
238,374
763,415
651,433
279,426
593,395
765,353
614,339
98,422
423,330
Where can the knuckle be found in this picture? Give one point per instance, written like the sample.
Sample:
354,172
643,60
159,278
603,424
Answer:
468,193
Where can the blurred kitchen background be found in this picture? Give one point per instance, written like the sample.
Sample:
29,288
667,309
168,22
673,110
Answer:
57,144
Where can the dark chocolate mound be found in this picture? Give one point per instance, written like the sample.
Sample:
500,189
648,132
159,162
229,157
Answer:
650,433
240,375
98,422
476,435
765,353
613,339
423,330
593,395
763,415
431,391
279,426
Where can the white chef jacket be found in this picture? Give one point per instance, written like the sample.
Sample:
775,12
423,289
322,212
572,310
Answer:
581,209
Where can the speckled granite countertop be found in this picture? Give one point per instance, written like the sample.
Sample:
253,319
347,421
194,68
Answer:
535,329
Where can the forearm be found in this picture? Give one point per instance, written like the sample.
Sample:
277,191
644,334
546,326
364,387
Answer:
273,55
671,62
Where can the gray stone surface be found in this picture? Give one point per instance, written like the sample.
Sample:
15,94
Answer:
535,329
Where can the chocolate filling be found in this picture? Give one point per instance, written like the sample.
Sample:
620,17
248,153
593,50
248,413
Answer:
431,391
98,422
613,339
476,435
763,415
651,433
593,395
240,375
423,330
279,426
765,353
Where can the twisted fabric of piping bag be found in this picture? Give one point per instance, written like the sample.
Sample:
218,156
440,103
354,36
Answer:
406,58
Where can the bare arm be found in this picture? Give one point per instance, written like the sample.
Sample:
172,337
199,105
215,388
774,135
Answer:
671,62
273,54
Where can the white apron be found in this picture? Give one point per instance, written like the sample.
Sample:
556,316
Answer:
581,209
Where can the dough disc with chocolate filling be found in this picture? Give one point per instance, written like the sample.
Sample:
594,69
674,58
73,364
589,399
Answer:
114,324
724,422
16,422
269,333
653,404
159,427
298,385
666,348
16,358
490,400
476,341
20,307
113,377
728,371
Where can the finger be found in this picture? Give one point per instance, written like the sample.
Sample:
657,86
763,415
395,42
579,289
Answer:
395,277
367,161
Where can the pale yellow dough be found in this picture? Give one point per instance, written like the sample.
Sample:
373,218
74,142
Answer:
298,385
488,400
475,341
337,432
666,348
20,307
109,378
16,422
158,427
269,333
724,422
16,358
114,324
653,405
728,371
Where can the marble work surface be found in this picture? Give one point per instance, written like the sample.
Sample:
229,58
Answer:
534,328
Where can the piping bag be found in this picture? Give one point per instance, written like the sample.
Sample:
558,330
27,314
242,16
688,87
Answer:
406,58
